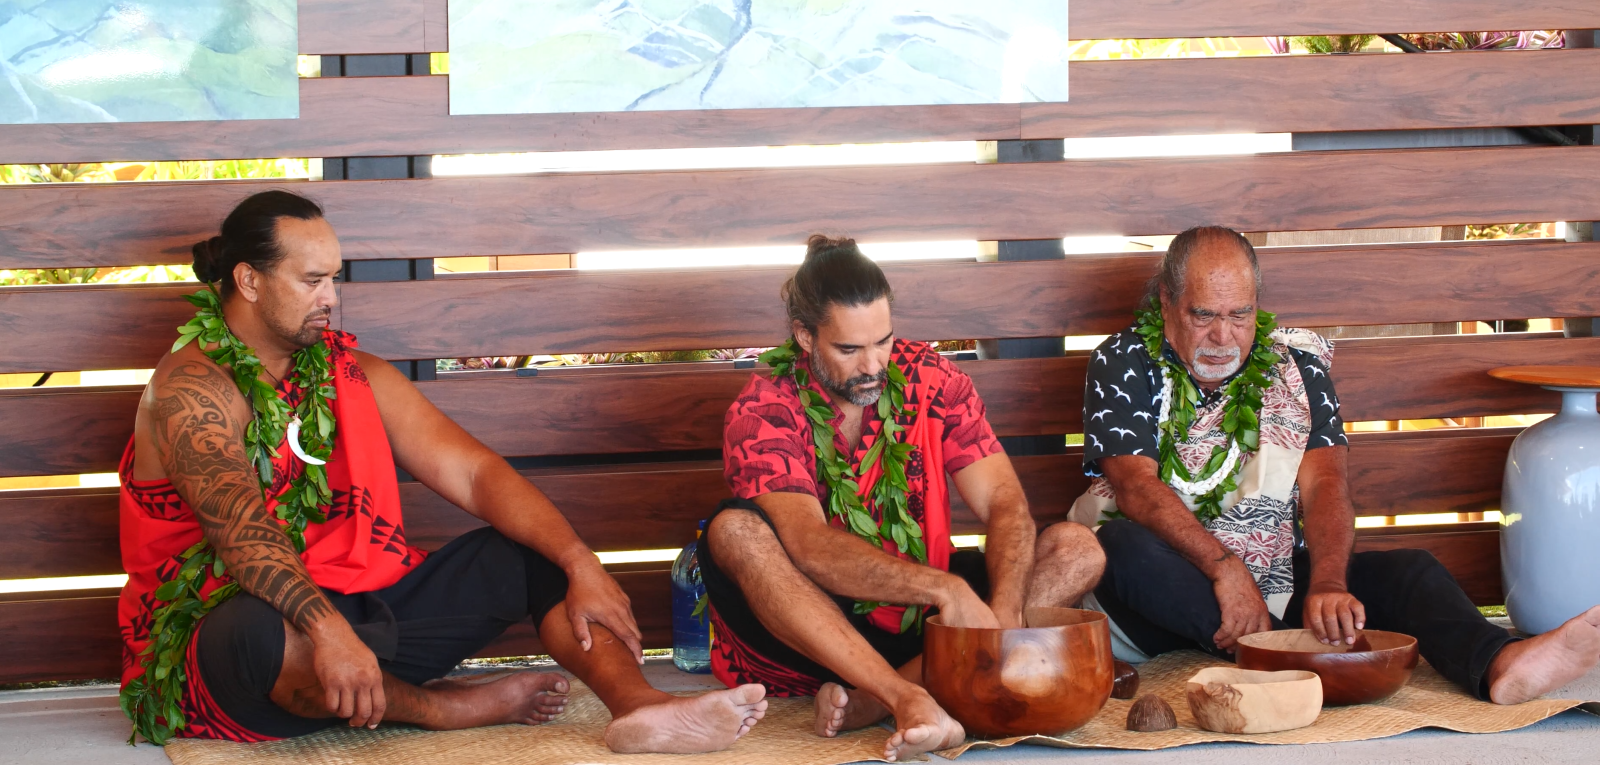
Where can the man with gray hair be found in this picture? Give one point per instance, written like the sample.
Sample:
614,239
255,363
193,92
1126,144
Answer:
1212,436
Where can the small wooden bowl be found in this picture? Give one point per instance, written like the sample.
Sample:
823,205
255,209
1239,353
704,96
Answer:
1231,700
1349,676
1048,678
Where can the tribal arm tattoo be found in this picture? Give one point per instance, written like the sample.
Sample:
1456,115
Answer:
199,436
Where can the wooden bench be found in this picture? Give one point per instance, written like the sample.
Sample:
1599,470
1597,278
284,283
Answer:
591,426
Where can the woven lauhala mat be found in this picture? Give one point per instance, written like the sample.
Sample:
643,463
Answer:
785,737
1427,701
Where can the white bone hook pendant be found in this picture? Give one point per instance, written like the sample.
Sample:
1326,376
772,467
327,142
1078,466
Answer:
294,444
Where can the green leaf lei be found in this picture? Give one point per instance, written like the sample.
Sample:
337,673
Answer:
888,495
1241,419
153,701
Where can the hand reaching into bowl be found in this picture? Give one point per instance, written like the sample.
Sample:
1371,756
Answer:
1333,614
962,607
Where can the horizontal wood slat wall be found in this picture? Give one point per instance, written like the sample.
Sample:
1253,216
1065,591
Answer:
643,410
1110,19
77,639
1083,295
58,225
74,532
376,116
372,26
62,639
1470,551
596,311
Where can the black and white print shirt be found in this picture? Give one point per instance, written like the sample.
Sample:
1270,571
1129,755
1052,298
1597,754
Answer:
1122,400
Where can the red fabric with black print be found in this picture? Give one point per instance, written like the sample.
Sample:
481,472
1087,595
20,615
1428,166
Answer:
767,448
361,548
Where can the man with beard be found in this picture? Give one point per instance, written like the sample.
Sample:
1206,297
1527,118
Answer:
320,613
838,540
1212,436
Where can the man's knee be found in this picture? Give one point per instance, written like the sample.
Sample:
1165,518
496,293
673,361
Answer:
242,643
1073,542
1120,537
735,529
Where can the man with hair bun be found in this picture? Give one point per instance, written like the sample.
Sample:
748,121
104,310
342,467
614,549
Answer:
837,541
1220,494
271,591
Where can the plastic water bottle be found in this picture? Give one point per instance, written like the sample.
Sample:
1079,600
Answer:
691,632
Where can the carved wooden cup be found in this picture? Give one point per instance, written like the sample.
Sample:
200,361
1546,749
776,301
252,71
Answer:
1232,700
1048,678
1373,669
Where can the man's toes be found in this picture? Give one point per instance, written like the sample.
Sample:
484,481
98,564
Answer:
746,695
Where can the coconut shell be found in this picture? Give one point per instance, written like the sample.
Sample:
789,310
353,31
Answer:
1150,714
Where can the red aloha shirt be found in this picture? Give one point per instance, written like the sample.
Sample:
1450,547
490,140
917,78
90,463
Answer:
767,448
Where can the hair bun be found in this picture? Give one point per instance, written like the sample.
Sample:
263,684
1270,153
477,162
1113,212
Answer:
820,245
207,257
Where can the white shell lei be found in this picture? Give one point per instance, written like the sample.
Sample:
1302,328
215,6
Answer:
1206,484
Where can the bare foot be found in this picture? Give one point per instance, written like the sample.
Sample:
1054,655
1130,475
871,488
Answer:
1528,669
839,709
524,697
921,726
694,725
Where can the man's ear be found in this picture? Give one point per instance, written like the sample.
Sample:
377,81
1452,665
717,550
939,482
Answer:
247,282
803,336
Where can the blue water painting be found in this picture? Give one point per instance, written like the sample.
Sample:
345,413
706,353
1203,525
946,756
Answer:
147,60
543,56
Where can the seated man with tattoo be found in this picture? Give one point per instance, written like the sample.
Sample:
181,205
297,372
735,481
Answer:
1212,436
837,543
271,591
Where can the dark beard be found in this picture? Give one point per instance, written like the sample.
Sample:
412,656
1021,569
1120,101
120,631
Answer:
302,336
847,389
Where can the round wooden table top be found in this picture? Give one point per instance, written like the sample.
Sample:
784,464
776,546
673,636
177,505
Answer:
1551,376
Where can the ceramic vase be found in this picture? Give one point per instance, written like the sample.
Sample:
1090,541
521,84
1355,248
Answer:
1550,529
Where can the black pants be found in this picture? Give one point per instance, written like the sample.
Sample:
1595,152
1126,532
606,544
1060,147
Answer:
1163,603
444,610
747,629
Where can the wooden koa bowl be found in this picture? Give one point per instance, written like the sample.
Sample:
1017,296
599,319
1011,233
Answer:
1349,676
1048,678
1231,700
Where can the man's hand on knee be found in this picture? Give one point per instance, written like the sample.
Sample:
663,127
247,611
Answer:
594,597
348,672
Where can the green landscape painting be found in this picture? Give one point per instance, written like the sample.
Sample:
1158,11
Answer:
543,56
147,60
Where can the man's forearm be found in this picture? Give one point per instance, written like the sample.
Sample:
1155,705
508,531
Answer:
846,565
1330,530
258,555
1153,505
506,500
1009,552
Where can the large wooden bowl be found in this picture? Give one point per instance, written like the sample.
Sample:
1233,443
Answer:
1349,676
1048,678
